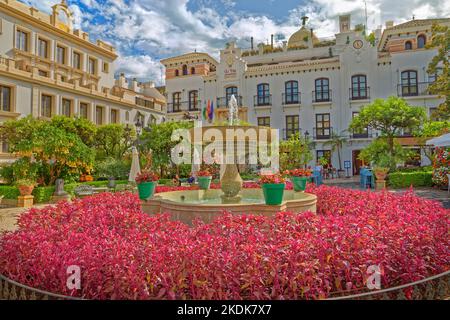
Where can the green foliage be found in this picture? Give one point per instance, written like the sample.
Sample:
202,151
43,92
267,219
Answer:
158,140
433,129
55,152
112,140
9,192
110,167
81,127
408,179
371,39
7,174
440,65
295,153
378,154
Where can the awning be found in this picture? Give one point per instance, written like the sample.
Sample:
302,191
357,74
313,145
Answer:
442,141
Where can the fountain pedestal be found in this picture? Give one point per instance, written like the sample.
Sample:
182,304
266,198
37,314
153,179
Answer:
231,185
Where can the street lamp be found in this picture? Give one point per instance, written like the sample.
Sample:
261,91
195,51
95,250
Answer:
139,125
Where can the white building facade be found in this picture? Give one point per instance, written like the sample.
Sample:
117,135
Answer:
47,68
307,85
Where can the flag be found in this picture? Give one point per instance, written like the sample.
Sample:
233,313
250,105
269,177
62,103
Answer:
205,112
208,110
211,111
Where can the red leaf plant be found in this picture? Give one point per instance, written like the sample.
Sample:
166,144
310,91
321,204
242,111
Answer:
126,254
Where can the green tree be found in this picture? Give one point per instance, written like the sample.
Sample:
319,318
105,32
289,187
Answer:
83,128
56,152
379,154
430,130
112,141
440,66
336,143
295,153
158,140
391,117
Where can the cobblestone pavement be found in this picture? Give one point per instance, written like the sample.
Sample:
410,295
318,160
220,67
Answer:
8,218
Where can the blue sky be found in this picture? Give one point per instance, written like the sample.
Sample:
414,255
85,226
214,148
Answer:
145,31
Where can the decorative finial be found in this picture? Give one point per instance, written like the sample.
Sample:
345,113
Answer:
304,19
63,2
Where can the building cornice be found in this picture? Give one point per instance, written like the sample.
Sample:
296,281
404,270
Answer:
27,18
189,56
295,66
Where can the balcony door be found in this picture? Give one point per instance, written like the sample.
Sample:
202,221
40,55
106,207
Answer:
409,83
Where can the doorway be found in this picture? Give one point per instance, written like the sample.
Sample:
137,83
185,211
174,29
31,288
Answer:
357,163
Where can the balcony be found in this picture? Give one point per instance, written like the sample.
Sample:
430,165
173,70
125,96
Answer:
323,133
223,102
321,96
262,101
411,90
291,99
366,134
183,106
359,93
288,133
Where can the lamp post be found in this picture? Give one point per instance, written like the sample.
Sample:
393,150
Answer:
306,144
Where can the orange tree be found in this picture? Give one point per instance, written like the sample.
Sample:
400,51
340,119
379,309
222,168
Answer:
57,153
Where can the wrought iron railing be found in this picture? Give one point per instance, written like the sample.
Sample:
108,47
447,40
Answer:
361,93
364,134
322,96
323,133
288,133
222,102
293,98
262,100
413,90
183,106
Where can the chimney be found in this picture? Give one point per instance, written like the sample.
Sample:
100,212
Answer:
271,41
135,85
389,24
252,42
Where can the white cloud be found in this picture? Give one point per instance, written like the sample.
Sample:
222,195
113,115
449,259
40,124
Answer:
148,30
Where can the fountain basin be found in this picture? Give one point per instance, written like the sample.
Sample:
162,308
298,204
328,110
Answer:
206,205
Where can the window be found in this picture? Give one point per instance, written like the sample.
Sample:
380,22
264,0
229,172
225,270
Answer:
263,97
105,67
322,93
92,66
193,70
22,40
99,115
409,83
421,41
185,70
432,78
229,92
324,154
60,55
84,110
66,107
264,121
77,60
46,106
5,98
176,99
114,116
292,125
359,133
43,48
127,116
359,87
323,126
291,92
408,45
193,100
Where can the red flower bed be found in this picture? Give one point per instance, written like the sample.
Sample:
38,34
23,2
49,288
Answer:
125,254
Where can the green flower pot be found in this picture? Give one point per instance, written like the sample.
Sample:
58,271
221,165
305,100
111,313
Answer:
204,182
146,190
299,183
273,193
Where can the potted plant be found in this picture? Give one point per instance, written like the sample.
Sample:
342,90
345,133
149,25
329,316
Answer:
25,186
146,182
299,178
273,188
204,179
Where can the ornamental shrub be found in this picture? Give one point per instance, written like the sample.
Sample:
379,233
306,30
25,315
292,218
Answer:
410,179
126,254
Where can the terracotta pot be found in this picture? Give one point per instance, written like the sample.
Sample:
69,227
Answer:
25,190
381,173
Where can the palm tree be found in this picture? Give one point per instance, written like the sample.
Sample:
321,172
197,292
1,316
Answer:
336,143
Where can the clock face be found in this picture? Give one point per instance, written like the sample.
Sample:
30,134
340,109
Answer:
358,44
230,61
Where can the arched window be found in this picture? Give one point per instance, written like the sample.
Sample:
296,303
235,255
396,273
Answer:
263,97
176,102
229,92
421,41
291,95
359,88
185,70
193,70
322,87
408,45
177,73
193,100
409,83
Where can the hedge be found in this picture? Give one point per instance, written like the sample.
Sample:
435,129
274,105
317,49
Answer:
44,194
408,179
